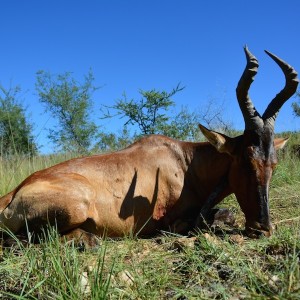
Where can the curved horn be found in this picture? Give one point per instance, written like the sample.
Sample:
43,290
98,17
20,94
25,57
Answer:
291,83
252,118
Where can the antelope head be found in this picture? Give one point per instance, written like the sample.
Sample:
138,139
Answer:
253,154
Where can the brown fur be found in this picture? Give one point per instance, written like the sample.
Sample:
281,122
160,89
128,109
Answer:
144,188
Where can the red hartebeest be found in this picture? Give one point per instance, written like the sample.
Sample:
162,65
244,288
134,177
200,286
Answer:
157,181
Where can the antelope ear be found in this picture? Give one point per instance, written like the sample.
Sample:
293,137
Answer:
220,141
279,143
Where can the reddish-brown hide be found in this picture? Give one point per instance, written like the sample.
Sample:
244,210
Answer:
158,181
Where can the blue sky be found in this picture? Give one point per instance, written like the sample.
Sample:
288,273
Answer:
135,44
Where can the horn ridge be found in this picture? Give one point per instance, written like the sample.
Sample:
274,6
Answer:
251,117
291,83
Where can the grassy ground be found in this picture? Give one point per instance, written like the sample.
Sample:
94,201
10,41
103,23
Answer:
206,265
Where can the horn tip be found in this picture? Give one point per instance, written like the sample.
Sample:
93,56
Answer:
249,55
275,58
269,53
246,49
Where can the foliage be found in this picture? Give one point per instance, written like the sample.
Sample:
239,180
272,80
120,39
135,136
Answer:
70,104
113,141
15,129
182,126
148,113
296,106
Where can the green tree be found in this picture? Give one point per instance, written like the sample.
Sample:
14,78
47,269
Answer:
183,126
69,102
113,141
15,129
296,106
148,113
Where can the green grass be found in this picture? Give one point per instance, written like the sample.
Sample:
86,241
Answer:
207,265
